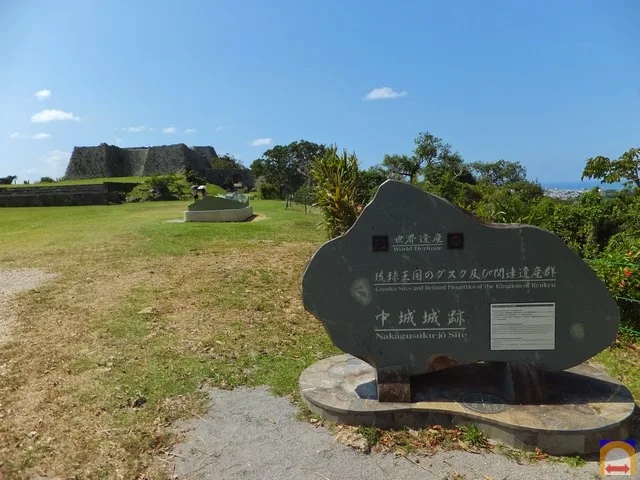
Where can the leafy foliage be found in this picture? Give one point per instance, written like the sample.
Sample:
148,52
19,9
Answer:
499,173
337,189
585,225
370,434
473,436
432,161
370,180
268,191
7,180
258,168
161,188
403,166
47,180
601,227
193,177
618,269
626,168
226,161
287,166
305,195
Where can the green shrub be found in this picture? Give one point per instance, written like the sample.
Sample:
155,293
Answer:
337,189
161,188
304,195
268,191
227,183
618,268
370,181
587,225
193,177
47,180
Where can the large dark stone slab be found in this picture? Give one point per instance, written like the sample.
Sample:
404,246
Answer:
418,282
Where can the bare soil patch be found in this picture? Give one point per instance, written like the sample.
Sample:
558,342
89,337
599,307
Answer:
12,282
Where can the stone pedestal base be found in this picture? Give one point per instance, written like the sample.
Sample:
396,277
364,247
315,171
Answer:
233,215
583,405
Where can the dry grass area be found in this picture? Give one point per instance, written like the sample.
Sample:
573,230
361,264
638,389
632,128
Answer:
104,359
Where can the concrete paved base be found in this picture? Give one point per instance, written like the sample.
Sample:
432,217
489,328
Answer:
234,215
585,405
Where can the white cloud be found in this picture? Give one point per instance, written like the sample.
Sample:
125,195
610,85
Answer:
28,171
52,164
139,129
118,141
52,115
223,127
384,92
24,136
169,130
42,94
56,158
259,142
40,136
190,130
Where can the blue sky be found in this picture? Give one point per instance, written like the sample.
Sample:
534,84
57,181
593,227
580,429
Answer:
546,83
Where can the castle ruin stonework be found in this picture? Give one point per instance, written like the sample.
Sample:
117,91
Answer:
112,161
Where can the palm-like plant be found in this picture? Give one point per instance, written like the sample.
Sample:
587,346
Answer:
335,179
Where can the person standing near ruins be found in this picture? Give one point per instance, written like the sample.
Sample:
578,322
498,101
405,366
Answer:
194,191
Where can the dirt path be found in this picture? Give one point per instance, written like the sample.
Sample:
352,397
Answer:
250,434
12,282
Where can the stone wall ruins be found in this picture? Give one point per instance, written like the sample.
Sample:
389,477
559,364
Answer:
112,161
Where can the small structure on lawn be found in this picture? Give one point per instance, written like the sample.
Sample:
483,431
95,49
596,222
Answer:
226,208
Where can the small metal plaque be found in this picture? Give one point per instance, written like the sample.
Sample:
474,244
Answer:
380,243
483,403
455,241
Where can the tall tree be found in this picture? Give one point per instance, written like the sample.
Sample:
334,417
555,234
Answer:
428,148
370,180
257,167
403,166
626,168
287,166
432,160
226,161
499,173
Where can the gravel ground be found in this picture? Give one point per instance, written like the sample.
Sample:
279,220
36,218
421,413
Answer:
250,434
12,282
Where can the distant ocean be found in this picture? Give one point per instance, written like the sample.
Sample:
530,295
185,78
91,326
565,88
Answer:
586,185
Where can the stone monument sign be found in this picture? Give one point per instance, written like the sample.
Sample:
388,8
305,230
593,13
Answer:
418,285
229,208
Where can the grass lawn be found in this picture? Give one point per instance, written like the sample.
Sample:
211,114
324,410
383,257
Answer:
85,181
89,385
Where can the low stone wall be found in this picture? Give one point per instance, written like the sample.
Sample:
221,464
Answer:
124,187
232,215
71,195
